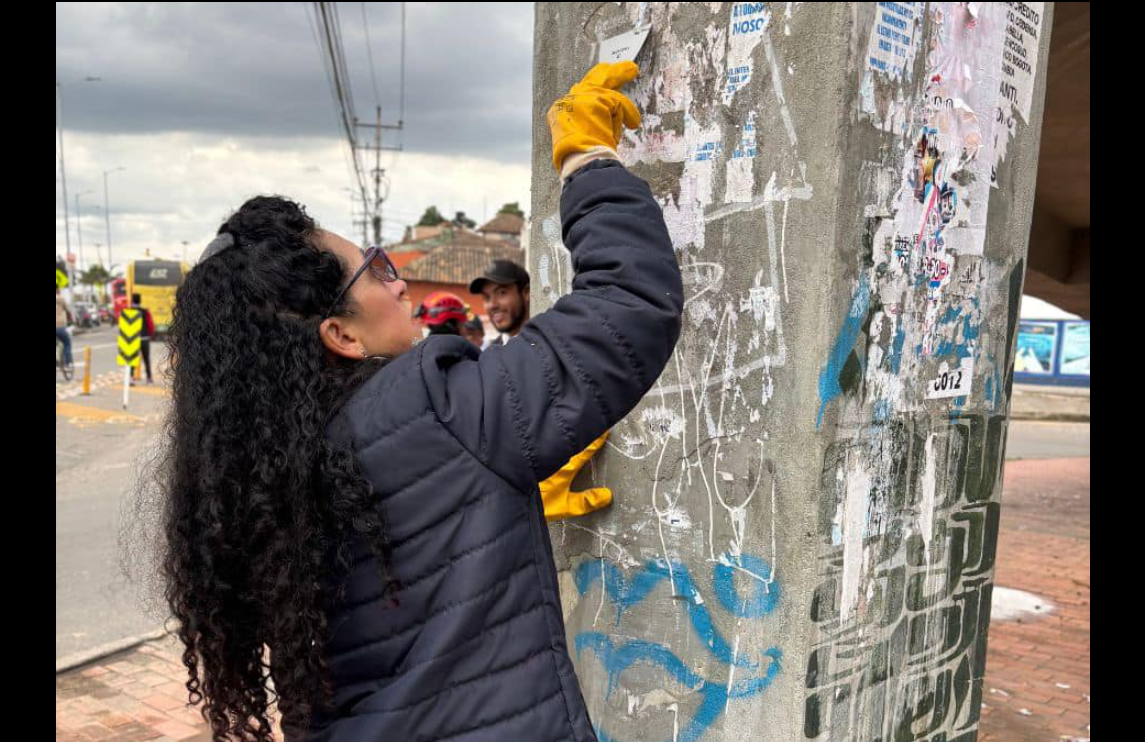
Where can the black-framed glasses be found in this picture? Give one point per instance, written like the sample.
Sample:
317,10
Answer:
380,266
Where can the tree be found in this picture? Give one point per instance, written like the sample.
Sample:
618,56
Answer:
99,276
512,208
96,275
463,221
431,218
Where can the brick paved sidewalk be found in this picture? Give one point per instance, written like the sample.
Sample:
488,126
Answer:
1037,671
133,696
1038,666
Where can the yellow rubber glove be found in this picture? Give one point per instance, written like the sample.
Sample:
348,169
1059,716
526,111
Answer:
560,502
593,113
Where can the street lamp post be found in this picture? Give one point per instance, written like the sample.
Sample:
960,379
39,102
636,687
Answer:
102,288
79,229
107,210
63,170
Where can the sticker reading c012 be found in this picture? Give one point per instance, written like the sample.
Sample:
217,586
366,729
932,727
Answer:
951,382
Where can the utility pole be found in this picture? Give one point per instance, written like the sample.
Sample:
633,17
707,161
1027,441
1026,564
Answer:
378,172
79,229
63,171
356,198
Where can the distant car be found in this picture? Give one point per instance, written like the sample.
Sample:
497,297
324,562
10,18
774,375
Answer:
105,314
86,315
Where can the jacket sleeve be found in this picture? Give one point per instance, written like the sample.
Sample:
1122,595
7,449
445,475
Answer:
577,369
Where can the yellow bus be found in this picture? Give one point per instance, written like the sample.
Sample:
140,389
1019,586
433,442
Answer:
156,282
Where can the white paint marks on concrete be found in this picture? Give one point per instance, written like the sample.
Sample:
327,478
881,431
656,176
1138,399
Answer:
854,523
783,251
1010,604
929,494
732,674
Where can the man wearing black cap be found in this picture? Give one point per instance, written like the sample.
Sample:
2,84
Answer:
505,287
474,332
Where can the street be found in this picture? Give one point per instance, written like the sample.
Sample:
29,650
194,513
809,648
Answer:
98,450
1035,439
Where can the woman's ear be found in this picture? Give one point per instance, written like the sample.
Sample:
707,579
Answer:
340,339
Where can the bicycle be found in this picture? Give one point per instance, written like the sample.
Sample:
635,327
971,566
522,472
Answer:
67,369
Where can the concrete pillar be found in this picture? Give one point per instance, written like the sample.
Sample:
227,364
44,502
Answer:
802,541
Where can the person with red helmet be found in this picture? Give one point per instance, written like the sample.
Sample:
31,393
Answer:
442,313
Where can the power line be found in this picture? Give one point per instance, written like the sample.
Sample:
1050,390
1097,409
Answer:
334,62
327,30
340,93
402,99
336,29
401,96
370,56
312,22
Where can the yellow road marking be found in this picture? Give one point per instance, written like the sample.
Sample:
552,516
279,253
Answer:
83,412
154,391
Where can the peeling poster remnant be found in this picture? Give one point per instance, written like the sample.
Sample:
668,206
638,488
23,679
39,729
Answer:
908,511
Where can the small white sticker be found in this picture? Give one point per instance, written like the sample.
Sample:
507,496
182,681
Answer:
951,382
624,47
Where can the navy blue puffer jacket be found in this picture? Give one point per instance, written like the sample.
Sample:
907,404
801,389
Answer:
455,442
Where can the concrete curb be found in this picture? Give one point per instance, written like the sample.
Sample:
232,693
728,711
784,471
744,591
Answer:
1058,404
76,659
1051,417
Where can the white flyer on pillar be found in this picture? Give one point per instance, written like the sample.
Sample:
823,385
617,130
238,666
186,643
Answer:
1020,54
893,39
624,47
965,80
1019,62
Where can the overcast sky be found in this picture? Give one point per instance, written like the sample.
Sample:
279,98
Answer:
206,104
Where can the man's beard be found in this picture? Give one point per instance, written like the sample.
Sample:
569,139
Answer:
513,326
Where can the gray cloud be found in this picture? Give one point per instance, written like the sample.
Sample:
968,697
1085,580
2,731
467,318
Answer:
253,69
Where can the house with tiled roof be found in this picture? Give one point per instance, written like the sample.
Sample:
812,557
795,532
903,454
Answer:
420,240
504,226
448,262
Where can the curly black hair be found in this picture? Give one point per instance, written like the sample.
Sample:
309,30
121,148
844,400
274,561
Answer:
257,508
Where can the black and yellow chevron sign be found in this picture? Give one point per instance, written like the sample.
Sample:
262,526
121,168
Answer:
130,336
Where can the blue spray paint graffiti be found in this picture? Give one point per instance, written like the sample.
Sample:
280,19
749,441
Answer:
764,593
829,387
626,592
714,696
